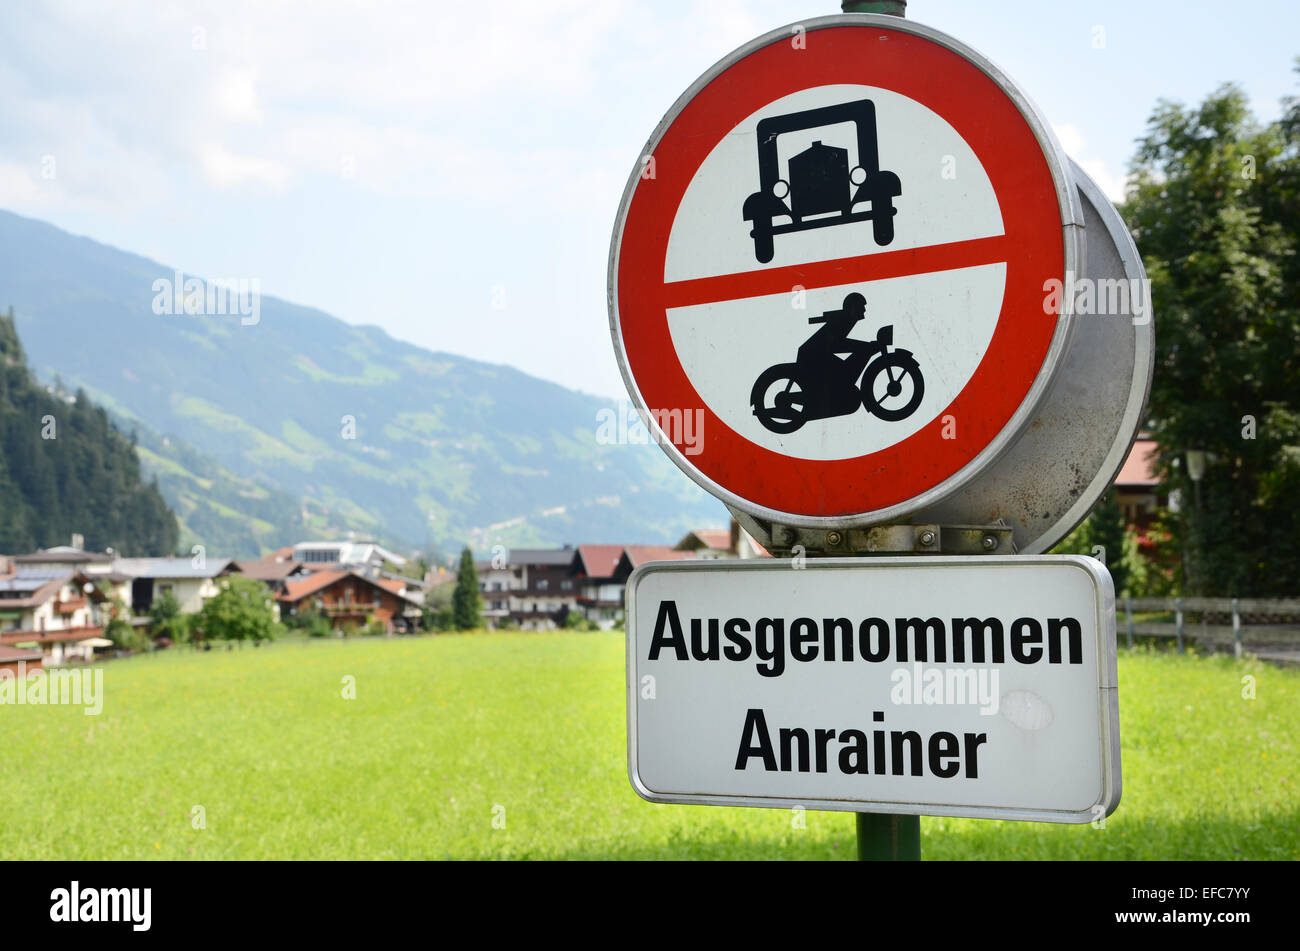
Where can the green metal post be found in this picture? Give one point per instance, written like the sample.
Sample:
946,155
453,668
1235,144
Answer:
1128,608
882,837
1236,627
895,8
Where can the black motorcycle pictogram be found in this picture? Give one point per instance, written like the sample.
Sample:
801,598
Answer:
821,189
835,375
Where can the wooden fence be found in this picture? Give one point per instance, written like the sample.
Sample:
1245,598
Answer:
1219,622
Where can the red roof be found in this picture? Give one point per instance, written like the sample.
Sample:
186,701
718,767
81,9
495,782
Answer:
600,561
718,539
267,569
639,554
297,590
1140,468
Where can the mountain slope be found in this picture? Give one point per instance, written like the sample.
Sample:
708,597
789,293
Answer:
65,469
229,514
421,448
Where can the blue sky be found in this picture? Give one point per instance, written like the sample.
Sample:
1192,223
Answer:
451,171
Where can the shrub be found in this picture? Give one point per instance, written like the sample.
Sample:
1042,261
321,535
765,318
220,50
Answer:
576,622
240,612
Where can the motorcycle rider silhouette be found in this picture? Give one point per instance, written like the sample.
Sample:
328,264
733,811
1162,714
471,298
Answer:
832,339
824,379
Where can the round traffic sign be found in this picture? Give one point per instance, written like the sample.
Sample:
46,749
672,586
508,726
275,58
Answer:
833,256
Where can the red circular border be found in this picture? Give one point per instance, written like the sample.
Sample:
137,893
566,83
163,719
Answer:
992,125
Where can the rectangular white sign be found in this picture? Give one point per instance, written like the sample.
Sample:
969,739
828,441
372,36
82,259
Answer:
977,686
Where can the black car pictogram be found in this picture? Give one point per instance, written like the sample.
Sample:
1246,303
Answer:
821,189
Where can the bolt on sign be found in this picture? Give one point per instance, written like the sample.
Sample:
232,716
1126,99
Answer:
979,687
840,256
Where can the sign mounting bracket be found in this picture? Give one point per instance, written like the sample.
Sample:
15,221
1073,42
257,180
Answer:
892,539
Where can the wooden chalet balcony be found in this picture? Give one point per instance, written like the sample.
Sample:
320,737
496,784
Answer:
352,607
50,637
69,607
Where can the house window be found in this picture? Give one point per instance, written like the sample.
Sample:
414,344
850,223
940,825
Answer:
496,605
566,585
543,585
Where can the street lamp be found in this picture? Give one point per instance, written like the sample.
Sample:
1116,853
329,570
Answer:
1196,471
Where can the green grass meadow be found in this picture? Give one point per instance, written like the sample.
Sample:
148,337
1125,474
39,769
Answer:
448,733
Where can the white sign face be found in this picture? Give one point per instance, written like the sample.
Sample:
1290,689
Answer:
979,686
917,145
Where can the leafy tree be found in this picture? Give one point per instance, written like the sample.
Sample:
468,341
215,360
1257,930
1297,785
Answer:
166,619
1153,559
466,600
438,613
118,627
1104,528
241,611
1214,202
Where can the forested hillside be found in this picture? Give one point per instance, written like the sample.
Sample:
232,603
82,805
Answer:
65,469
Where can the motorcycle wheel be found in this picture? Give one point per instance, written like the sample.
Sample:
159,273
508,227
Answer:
900,375
792,412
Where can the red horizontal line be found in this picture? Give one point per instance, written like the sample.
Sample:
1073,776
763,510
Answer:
864,267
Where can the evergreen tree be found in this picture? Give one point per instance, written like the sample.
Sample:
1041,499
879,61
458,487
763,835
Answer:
466,601
1106,531
64,468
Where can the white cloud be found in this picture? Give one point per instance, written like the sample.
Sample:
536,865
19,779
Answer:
226,170
235,95
18,187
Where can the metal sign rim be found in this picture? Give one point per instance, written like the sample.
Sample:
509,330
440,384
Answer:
1070,209
1143,370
